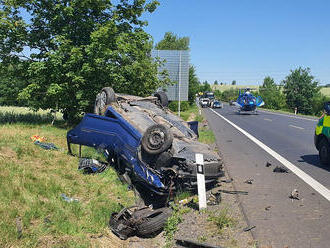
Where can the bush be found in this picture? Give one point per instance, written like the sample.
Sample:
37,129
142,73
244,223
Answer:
173,106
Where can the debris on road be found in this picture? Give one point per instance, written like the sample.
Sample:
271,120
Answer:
234,192
294,194
249,181
194,244
68,199
227,180
268,164
280,169
268,208
88,165
143,222
246,229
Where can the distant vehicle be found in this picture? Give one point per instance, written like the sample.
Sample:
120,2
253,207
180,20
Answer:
231,103
247,102
204,102
209,95
217,104
322,136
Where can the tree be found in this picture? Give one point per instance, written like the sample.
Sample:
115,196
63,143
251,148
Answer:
233,83
205,87
172,42
271,94
215,82
300,88
230,94
78,48
193,88
12,81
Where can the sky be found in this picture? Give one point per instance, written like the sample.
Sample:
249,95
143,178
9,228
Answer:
247,40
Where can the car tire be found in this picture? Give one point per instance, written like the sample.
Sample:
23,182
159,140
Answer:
151,222
157,139
104,98
324,152
162,97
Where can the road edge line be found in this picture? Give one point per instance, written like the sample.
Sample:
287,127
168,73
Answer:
322,190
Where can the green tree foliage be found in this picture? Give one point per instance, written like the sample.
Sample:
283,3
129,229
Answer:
229,95
12,81
174,106
217,94
205,87
318,103
216,82
272,94
300,89
233,83
78,47
172,42
193,88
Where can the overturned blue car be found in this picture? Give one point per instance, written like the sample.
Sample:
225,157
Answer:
153,149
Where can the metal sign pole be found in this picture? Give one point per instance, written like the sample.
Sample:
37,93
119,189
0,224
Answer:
179,86
201,181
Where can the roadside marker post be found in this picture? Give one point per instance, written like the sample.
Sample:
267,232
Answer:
201,181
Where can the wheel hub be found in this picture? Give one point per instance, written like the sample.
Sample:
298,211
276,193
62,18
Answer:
156,139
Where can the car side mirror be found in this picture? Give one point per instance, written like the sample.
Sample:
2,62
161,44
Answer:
327,107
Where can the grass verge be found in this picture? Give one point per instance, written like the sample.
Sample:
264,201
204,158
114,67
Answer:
32,212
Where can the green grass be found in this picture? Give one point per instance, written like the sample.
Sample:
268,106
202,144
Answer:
222,219
172,223
206,135
32,180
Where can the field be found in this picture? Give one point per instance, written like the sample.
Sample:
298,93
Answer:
32,211
324,90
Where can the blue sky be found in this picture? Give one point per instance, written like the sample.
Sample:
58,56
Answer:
246,40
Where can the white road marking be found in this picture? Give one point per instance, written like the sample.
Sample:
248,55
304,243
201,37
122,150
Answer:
266,119
296,127
291,116
325,192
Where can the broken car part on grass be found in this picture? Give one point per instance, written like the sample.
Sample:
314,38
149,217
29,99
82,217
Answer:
88,165
143,222
143,140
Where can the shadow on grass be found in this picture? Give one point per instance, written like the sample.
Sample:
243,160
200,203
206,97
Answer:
30,118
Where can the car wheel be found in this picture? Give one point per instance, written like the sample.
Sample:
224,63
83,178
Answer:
162,97
104,98
151,221
157,139
324,152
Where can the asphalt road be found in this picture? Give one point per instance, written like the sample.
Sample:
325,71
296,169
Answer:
279,220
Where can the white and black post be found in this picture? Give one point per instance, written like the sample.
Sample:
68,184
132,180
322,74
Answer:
201,181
